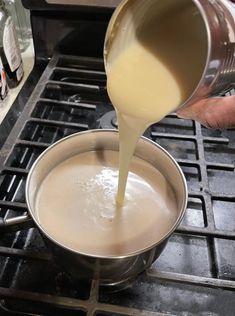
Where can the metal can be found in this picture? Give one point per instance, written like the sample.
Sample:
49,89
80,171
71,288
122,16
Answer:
218,19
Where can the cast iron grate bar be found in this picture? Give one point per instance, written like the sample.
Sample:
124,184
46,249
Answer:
91,306
45,122
220,166
82,71
211,165
24,254
17,206
76,62
79,86
220,140
207,199
16,171
191,230
224,197
191,279
28,143
51,102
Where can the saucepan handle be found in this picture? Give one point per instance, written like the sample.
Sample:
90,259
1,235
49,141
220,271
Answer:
16,223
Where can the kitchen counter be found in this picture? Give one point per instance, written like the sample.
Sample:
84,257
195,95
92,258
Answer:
28,62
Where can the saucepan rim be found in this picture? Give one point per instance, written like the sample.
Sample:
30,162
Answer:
135,253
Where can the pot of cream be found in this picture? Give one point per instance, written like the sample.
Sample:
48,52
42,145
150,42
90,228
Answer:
74,244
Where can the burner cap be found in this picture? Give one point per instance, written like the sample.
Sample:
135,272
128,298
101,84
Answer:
109,120
76,98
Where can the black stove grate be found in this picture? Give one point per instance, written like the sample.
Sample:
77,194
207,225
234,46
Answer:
196,272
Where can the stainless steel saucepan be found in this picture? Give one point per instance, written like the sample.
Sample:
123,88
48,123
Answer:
108,269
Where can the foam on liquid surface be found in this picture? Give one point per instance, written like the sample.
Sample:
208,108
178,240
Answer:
76,205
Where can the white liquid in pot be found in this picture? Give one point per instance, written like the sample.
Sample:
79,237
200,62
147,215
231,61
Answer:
76,205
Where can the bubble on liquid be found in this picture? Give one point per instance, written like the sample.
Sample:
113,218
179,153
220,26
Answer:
101,190
108,212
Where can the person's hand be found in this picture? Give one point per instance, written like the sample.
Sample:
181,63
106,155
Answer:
217,112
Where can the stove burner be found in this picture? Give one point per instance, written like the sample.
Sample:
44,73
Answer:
109,120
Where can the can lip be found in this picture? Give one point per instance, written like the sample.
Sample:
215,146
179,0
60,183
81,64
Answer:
132,254
115,14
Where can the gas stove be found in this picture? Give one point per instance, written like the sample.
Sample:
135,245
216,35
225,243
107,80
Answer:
195,275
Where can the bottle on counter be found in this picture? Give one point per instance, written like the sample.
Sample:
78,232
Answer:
3,83
9,49
21,20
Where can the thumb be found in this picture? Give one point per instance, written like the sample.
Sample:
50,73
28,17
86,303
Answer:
216,112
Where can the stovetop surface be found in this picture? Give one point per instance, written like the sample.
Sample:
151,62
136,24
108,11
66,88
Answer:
195,275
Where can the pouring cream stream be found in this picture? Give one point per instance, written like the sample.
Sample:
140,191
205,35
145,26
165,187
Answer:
152,73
